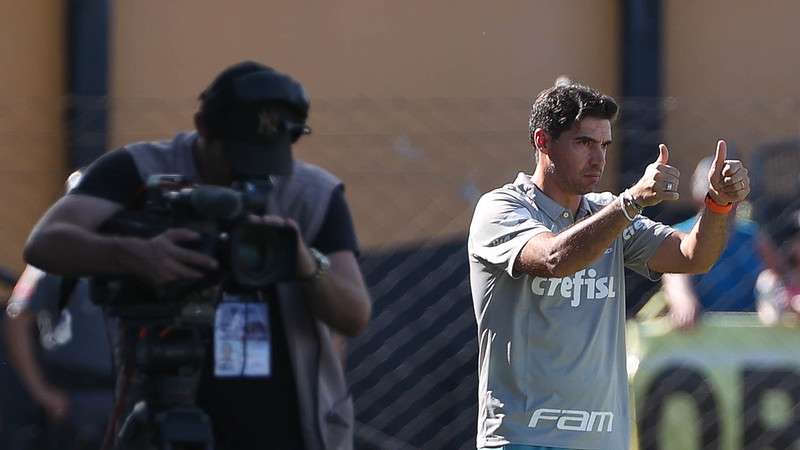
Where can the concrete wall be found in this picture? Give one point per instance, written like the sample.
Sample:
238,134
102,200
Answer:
417,105
32,154
731,70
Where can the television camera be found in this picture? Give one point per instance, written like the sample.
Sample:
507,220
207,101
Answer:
165,331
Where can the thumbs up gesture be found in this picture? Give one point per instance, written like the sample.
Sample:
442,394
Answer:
728,179
659,182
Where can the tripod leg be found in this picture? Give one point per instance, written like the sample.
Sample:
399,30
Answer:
135,433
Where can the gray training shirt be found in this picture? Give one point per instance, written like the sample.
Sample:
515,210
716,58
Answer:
551,362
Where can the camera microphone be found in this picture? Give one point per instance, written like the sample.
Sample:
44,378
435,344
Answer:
217,202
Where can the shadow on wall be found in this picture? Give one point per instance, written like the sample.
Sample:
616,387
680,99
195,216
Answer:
413,373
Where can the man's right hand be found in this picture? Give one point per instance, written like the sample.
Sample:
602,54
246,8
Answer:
684,314
659,182
162,259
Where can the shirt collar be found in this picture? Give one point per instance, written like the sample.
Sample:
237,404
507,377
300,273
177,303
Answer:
555,211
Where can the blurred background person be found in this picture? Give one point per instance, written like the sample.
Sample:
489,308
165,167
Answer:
778,288
17,410
67,370
62,356
729,285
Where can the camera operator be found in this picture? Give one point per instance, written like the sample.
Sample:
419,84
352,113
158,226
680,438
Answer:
249,117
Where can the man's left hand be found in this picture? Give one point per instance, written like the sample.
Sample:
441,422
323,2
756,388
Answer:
341,300
729,181
306,264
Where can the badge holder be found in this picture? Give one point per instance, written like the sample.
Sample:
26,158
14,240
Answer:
242,337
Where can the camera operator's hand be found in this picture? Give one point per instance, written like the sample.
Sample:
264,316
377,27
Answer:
659,182
339,298
306,265
162,259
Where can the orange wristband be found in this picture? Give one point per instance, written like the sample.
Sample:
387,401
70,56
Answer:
716,208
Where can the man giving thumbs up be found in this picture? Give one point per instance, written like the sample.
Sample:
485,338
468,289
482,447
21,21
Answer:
547,257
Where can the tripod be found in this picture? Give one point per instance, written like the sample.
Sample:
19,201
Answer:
162,365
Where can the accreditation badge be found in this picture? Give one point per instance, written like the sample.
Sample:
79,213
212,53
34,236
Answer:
242,338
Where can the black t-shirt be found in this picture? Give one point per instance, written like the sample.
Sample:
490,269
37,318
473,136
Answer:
247,413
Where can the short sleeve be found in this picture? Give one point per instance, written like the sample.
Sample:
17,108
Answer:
501,226
641,240
337,232
112,177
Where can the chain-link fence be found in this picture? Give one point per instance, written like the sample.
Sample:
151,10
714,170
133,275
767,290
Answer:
413,373
414,169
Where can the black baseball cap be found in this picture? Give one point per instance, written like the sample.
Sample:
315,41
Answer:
258,113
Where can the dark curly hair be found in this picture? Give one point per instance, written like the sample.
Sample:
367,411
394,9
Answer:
557,108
